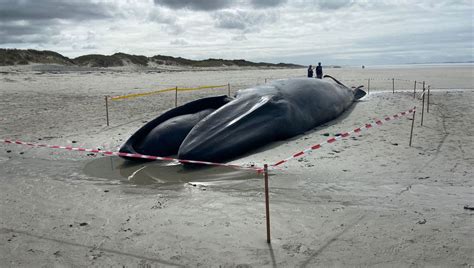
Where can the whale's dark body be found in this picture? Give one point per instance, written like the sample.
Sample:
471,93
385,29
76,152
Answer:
220,128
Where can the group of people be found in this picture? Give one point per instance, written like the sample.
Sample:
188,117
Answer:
319,71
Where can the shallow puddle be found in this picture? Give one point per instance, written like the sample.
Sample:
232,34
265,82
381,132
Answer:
162,173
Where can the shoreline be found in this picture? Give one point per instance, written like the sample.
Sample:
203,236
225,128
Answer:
32,67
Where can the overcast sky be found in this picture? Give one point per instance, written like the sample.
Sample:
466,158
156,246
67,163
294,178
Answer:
345,32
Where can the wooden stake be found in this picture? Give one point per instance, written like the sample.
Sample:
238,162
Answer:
423,103
228,89
368,86
176,97
412,125
107,108
265,80
422,107
414,90
393,85
428,101
267,202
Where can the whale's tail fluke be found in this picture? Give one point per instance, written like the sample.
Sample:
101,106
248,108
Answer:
359,93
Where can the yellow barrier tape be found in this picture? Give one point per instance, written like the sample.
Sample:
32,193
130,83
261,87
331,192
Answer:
142,94
202,87
135,95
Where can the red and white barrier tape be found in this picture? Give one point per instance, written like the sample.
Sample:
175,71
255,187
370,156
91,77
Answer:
142,156
258,169
343,135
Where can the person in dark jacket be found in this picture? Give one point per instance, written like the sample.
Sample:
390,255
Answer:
319,71
310,71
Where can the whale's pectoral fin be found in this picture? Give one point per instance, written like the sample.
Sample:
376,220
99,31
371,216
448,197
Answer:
163,135
359,93
236,128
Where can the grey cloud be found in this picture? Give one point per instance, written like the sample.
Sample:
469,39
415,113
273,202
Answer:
179,42
52,9
29,21
169,22
90,47
26,33
160,17
243,20
412,47
174,29
19,29
239,38
334,4
437,40
203,5
213,5
230,20
267,3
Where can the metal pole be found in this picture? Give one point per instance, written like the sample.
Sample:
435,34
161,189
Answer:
428,101
176,97
368,86
107,108
228,89
267,203
412,125
414,90
393,85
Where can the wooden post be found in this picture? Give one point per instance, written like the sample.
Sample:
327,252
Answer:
265,80
111,163
267,203
368,86
393,85
107,108
428,100
228,89
414,90
422,107
423,103
176,97
412,125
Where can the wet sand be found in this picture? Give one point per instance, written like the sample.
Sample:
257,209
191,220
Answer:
367,200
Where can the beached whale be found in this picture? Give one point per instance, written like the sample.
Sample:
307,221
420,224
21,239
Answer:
221,128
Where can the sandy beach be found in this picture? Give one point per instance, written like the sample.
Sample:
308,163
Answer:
366,200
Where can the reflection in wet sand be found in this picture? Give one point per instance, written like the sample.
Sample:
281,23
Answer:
162,173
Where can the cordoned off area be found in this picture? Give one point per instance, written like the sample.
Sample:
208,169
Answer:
74,102
181,96
365,198
139,106
259,169
373,80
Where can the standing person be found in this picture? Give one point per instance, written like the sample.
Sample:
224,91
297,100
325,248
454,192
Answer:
310,71
319,71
